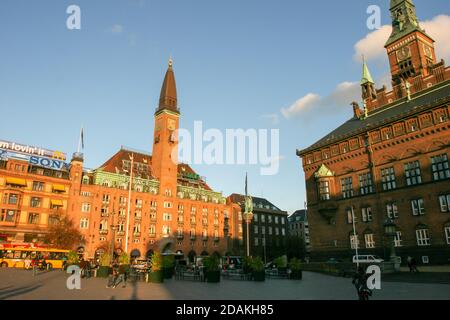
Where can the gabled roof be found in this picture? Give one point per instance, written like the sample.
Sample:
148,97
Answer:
421,101
299,215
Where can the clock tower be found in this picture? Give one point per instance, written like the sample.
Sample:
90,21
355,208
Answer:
410,49
165,143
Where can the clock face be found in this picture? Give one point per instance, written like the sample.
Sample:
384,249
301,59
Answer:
403,53
428,51
171,124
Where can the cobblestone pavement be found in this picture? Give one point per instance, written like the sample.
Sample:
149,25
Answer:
20,284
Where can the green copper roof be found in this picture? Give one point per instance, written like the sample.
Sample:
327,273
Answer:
366,77
404,20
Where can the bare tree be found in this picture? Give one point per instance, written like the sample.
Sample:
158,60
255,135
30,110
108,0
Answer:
64,234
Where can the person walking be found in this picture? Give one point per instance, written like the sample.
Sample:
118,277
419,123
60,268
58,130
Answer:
360,282
414,265
122,276
409,260
114,274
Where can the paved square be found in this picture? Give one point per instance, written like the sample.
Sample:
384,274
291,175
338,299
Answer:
20,284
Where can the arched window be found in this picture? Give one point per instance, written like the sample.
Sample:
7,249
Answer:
106,183
85,180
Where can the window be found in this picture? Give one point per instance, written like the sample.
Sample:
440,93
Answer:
121,227
104,225
412,173
354,242
255,217
388,179
439,167
137,228
444,202
350,215
86,207
263,230
423,237
105,198
398,239
263,218
392,210
256,229
276,219
167,204
38,186
167,217
347,187
138,203
447,234
368,239
365,183
366,214
152,229
269,219
283,221
35,202
277,231
283,231
256,242
84,223
324,190
33,218
7,215
53,219
13,199
270,230
417,207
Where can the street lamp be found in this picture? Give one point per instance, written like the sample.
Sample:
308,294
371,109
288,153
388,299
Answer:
390,230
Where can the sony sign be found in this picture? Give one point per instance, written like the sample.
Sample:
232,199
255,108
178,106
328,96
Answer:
54,164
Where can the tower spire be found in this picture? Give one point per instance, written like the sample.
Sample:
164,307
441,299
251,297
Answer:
366,76
168,96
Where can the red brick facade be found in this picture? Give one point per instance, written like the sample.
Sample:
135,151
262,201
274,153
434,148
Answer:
389,161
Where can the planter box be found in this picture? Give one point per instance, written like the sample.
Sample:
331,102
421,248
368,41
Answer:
296,275
156,277
259,275
213,276
168,273
103,272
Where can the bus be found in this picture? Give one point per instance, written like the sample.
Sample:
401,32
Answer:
15,257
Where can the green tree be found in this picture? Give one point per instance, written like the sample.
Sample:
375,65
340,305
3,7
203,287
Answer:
64,234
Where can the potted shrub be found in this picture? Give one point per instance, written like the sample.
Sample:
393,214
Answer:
296,269
104,269
156,275
258,272
212,269
72,258
167,266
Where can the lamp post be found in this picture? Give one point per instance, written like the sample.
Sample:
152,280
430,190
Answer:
390,230
113,236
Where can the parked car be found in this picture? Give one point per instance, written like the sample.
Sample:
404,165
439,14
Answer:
367,259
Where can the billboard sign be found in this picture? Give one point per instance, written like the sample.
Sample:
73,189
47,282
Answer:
30,150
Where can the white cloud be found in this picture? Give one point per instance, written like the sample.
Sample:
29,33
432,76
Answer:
313,104
273,117
372,45
116,29
302,105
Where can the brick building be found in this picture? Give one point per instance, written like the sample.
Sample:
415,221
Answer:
168,207
298,227
390,160
34,189
268,229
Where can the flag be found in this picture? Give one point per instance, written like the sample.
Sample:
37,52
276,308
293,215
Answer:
246,193
82,138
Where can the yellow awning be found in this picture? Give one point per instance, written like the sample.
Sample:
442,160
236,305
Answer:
59,187
16,181
58,203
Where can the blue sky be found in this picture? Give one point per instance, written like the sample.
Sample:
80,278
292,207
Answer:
237,64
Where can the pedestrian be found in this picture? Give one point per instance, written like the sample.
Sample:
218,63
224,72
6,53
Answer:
64,263
360,282
414,265
114,274
122,276
409,263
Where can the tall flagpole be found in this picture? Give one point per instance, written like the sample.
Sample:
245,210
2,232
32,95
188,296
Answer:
129,203
80,140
